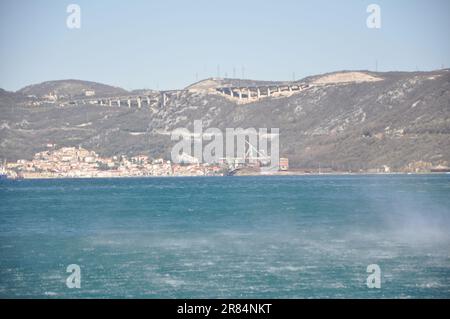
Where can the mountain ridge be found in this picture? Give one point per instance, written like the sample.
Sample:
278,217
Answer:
402,119
42,88
70,88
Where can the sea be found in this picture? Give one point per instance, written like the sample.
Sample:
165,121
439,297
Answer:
226,237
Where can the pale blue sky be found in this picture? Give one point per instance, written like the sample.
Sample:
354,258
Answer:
164,44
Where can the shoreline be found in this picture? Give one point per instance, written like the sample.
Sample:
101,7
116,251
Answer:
220,176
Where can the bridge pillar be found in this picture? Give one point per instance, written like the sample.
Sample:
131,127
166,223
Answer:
240,94
129,103
138,99
118,103
279,89
231,92
259,93
148,100
249,93
110,102
101,102
268,91
164,99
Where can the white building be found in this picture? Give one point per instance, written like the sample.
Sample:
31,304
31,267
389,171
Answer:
89,93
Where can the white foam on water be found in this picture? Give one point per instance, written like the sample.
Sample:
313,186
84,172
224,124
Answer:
50,293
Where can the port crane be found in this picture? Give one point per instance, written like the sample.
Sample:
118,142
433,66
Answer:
252,155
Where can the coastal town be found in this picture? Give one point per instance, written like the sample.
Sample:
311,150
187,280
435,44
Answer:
77,162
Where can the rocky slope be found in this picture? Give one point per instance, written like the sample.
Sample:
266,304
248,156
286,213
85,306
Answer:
345,120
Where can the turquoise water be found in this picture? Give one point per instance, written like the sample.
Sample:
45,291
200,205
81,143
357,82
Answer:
240,237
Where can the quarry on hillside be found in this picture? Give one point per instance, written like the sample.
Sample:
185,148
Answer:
346,77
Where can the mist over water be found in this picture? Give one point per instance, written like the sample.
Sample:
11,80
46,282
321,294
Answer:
261,237
413,213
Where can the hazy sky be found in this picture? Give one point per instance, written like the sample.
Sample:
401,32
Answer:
164,44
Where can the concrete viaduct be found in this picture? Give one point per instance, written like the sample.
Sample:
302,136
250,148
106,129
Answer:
257,92
161,99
